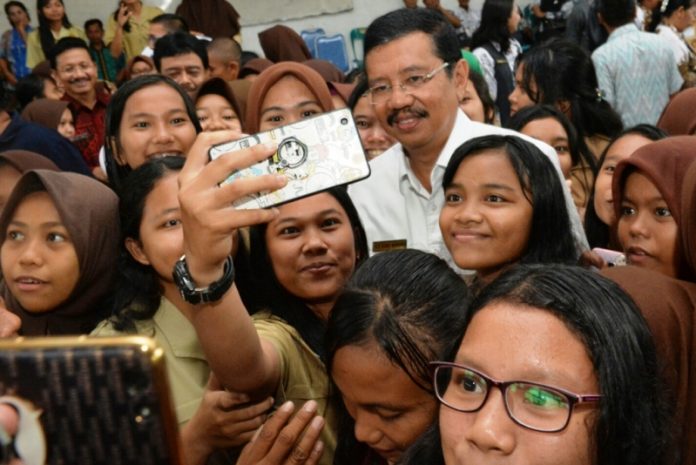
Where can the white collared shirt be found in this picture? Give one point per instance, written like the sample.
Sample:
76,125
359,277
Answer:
394,206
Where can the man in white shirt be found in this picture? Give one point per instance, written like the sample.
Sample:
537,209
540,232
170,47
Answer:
416,77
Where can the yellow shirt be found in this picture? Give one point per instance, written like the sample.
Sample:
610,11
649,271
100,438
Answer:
187,367
302,376
134,41
35,54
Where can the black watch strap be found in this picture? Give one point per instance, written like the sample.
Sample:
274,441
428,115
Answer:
196,295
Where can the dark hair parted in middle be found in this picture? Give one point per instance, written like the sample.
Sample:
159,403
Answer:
114,113
412,305
633,421
632,425
550,237
399,23
271,295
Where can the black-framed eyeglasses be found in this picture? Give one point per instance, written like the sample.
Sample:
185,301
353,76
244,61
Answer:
380,93
535,406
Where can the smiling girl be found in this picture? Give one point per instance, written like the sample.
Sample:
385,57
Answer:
504,204
150,116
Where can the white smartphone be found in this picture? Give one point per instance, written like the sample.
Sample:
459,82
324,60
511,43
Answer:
315,154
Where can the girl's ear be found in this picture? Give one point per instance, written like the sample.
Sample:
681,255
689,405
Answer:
134,247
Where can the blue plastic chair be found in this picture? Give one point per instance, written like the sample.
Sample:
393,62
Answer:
333,49
310,37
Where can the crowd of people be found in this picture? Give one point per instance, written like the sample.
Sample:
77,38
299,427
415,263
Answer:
515,282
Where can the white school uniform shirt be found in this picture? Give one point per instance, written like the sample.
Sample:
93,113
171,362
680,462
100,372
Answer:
394,206
676,42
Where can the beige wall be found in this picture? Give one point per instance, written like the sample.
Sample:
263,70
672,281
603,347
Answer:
362,13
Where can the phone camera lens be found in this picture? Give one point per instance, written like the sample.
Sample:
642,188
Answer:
344,121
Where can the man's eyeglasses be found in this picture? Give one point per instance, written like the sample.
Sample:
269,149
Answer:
534,406
380,93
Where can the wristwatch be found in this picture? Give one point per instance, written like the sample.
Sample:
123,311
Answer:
211,293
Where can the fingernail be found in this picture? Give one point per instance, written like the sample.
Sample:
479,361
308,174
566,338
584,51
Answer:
270,145
318,447
281,178
317,423
287,406
310,406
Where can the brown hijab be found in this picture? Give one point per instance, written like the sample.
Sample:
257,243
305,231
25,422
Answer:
45,111
214,18
254,66
280,43
89,211
24,160
687,227
665,162
270,77
668,306
679,116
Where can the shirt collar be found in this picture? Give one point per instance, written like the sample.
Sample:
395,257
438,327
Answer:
623,30
103,97
455,139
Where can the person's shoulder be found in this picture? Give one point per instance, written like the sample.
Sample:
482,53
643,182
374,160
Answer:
384,171
152,11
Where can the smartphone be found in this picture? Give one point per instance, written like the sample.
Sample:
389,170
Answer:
315,154
93,400
611,257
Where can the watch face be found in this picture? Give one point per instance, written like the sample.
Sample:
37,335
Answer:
292,153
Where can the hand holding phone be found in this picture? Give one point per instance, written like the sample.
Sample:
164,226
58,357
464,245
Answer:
314,154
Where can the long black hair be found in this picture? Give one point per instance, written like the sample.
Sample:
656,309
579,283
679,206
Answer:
138,291
45,34
561,72
598,233
413,306
550,237
633,421
494,24
270,295
114,113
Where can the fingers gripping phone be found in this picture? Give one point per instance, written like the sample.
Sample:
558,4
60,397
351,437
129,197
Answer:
315,154
91,400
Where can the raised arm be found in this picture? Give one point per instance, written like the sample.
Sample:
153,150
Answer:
114,37
239,358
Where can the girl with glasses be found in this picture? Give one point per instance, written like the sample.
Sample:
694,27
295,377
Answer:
541,375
